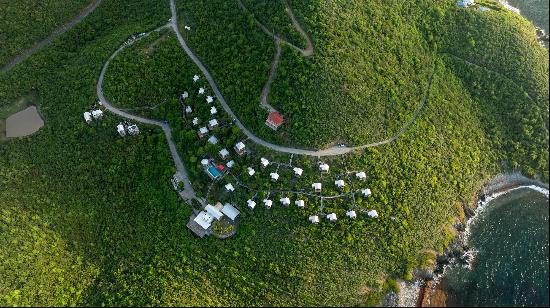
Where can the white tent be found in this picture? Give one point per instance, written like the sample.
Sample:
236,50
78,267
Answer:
204,162
196,78
361,175
213,110
298,171
133,129
213,140
268,203
120,129
285,201
366,192
224,153
251,171
195,121
188,109
230,164
201,91
351,214
251,204
264,162
229,187
299,203
97,114
323,167
339,183
87,117
373,214
209,99
332,217
317,186
314,219
185,95
274,176
213,123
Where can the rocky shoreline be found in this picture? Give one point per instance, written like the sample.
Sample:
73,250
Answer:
426,290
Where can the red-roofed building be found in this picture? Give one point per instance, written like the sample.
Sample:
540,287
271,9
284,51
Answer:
274,120
221,167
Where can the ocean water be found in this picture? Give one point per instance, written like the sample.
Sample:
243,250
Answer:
534,10
511,266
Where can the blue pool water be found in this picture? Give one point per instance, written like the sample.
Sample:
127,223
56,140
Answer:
214,172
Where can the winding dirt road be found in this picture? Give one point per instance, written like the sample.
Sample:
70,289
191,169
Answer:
29,52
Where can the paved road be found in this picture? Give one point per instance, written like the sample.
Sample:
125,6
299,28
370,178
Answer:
29,52
188,191
326,152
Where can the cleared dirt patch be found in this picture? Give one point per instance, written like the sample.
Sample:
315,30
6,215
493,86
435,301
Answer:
24,123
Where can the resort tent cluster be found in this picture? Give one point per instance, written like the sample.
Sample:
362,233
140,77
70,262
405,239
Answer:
132,129
93,114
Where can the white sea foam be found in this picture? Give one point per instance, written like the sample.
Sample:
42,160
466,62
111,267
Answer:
512,8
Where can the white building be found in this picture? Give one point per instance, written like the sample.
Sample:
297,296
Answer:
285,201
201,91
268,203
213,124
251,204
120,129
229,187
230,164
299,203
204,220
204,162
213,211
314,219
324,168
240,148
195,121
133,130
351,214
264,162
213,140
213,110
209,99
339,183
202,132
87,117
274,176
251,171
316,186
298,171
361,176
196,78
332,217
188,109
373,214
187,28
97,114
366,192
230,211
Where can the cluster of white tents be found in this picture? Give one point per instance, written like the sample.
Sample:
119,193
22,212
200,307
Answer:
92,115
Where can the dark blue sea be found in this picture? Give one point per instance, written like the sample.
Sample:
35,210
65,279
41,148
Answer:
511,266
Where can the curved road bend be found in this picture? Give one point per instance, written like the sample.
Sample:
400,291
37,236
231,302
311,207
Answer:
326,152
188,191
29,52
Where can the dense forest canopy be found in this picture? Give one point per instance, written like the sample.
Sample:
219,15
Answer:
88,218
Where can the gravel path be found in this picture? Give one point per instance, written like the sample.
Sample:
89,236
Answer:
29,52
316,153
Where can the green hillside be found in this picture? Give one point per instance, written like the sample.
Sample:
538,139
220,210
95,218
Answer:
24,22
90,219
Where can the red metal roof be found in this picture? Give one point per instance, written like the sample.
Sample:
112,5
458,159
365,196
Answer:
275,118
221,167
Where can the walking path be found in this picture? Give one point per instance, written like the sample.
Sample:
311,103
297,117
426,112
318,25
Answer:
29,52
188,192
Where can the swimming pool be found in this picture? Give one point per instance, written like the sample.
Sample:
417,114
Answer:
213,172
